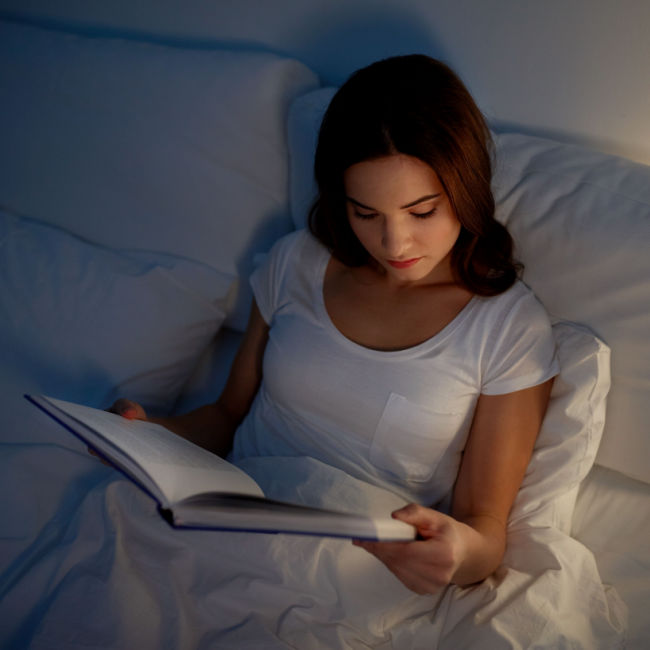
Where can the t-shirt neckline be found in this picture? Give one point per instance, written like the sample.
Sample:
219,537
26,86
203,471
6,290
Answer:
426,345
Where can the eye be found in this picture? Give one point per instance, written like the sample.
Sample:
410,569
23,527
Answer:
364,215
424,215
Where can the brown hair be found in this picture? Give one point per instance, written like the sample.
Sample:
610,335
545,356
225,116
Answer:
417,106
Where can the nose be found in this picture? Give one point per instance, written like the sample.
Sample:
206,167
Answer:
395,237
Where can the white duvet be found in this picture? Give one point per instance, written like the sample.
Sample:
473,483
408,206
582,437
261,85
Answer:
87,562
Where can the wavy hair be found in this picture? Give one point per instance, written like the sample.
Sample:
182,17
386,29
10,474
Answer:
417,106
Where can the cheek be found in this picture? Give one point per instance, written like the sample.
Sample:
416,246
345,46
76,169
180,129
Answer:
445,231
454,229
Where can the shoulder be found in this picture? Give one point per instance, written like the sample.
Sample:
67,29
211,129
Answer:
288,265
293,255
297,242
514,316
518,291
520,345
518,302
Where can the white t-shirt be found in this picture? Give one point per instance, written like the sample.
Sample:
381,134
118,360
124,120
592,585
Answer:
397,419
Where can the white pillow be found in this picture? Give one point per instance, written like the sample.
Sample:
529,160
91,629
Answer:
581,224
571,432
305,116
88,323
142,145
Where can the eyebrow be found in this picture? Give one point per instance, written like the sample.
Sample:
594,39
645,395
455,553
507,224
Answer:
412,204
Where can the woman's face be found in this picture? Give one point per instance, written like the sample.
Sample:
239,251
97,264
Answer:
399,211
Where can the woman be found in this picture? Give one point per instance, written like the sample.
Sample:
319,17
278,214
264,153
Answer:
394,340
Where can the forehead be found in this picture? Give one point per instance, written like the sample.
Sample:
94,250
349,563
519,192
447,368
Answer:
398,177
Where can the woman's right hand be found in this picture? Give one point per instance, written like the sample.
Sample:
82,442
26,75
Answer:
128,409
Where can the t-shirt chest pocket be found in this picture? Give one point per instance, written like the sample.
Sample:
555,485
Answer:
410,438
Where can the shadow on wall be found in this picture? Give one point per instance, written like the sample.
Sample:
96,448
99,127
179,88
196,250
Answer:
99,30
333,43
343,40
336,42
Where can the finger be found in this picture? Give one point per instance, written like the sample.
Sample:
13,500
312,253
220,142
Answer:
390,553
406,561
427,521
129,414
411,512
128,409
377,547
366,546
92,452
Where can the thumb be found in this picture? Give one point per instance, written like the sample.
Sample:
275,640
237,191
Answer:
128,409
426,520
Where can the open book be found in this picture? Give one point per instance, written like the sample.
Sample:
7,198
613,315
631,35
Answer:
197,489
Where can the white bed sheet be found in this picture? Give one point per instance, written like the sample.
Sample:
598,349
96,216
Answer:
87,562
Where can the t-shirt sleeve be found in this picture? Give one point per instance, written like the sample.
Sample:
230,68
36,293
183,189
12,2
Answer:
268,279
523,351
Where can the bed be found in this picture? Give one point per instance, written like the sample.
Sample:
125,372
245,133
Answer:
139,185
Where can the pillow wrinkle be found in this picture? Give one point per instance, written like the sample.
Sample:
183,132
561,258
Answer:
88,324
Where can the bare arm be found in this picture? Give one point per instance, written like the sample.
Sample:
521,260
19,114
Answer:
497,454
468,546
213,426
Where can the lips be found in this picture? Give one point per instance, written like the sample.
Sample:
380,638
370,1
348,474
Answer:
404,264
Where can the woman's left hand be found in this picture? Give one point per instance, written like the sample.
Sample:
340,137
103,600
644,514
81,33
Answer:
428,564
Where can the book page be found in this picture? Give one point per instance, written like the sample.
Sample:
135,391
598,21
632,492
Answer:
264,515
197,489
178,467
